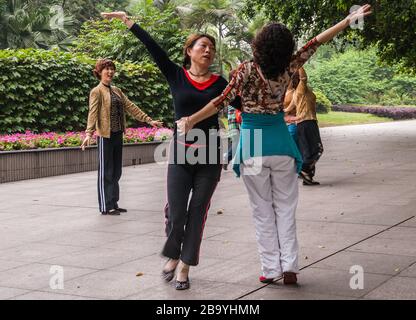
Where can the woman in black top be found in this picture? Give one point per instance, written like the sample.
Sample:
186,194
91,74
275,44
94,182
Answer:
192,86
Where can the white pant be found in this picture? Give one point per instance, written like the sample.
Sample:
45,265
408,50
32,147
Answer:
272,186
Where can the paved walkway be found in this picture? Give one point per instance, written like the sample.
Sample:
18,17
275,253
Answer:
362,214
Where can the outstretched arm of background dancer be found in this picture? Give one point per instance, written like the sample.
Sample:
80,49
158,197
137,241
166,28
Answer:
304,53
330,33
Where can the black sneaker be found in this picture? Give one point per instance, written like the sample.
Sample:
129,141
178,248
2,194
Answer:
305,176
121,209
310,183
112,212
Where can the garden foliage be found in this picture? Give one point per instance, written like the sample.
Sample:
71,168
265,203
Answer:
396,113
45,91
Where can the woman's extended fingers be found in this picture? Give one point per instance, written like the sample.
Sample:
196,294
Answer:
115,14
86,142
363,11
157,123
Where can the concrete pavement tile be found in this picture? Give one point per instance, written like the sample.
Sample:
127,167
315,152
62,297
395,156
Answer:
338,228
108,285
96,258
241,233
9,264
386,246
143,245
153,264
268,293
328,282
225,249
227,220
410,223
131,227
41,295
371,185
401,288
376,214
309,255
399,233
36,252
231,271
410,271
35,276
199,290
87,238
371,262
7,293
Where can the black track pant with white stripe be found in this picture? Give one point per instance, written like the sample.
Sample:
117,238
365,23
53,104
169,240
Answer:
110,158
186,215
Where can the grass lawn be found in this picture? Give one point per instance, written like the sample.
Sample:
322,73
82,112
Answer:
345,118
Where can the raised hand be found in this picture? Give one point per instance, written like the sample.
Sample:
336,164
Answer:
330,33
114,15
362,12
118,15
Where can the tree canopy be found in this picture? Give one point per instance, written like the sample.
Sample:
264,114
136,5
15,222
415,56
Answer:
390,28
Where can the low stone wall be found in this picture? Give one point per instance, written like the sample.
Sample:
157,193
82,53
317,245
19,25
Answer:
32,164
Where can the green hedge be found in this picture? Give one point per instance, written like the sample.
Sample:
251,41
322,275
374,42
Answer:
48,90
356,77
323,105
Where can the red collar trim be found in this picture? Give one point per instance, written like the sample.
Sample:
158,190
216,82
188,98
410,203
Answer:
201,85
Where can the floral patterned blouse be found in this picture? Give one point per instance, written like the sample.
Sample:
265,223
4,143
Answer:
259,95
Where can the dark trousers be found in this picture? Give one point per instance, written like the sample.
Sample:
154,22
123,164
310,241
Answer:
310,144
110,159
186,216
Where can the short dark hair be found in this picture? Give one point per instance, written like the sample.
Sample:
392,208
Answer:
101,65
190,42
273,48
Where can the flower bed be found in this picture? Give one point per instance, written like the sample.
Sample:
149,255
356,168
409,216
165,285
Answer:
30,156
29,140
396,113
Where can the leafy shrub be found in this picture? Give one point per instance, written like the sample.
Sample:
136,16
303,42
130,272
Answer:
356,77
45,91
111,39
396,113
323,105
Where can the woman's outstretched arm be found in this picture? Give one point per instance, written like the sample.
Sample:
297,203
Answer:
330,33
304,53
166,66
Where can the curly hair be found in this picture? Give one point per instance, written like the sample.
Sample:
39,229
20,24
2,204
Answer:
101,65
273,48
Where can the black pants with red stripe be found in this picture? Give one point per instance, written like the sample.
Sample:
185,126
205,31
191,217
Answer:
110,160
186,213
